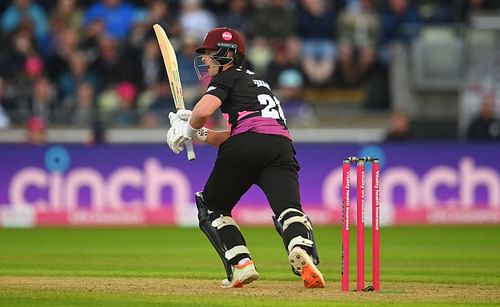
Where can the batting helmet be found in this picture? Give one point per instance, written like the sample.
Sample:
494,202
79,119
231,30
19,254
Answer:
223,38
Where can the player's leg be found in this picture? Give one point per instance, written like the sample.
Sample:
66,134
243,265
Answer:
279,181
229,180
225,236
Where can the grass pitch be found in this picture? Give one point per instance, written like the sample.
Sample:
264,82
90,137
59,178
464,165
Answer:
445,265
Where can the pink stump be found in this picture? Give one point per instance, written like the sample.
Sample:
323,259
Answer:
360,224
346,174
376,224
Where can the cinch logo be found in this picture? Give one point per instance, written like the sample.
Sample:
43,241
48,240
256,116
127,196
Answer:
64,191
440,186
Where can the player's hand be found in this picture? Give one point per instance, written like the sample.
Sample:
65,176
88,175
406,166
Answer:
180,115
172,134
179,133
184,115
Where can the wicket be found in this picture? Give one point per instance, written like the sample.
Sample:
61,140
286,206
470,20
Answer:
360,222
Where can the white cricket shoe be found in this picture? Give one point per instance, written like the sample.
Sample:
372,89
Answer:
243,274
302,262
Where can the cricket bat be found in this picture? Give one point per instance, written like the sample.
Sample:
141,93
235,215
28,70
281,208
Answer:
170,61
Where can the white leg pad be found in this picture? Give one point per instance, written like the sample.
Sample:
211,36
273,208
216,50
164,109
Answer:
297,219
223,221
280,218
299,240
235,251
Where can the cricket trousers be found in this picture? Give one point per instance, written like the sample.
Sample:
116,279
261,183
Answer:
252,158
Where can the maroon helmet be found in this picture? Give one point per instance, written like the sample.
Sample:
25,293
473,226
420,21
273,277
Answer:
223,37
221,40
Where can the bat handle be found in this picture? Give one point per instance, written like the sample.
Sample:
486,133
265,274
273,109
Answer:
190,150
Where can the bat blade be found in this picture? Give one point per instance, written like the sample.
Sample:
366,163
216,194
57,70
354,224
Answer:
171,66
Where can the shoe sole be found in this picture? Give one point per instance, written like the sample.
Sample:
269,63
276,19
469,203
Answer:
247,277
311,276
245,281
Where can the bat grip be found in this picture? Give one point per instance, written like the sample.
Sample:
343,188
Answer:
190,150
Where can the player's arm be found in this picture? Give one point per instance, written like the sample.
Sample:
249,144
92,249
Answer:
215,138
202,111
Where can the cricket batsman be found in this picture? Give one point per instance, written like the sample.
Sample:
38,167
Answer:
257,149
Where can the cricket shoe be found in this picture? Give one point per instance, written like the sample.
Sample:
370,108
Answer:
302,262
243,274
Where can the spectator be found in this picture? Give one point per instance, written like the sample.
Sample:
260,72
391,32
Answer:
64,46
19,11
81,105
141,27
316,28
238,16
57,25
195,19
78,73
346,74
91,37
290,91
151,64
36,131
259,55
360,24
110,65
116,15
125,115
185,58
374,79
14,54
23,85
107,104
485,127
4,117
284,57
275,21
160,12
400,22
69,12
44,100
360,68
399,127
155,111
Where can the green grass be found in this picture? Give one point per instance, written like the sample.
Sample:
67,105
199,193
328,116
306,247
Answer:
135,266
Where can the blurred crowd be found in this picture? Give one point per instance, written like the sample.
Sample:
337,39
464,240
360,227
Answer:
79,63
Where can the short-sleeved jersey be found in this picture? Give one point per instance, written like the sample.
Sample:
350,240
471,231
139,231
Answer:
248,102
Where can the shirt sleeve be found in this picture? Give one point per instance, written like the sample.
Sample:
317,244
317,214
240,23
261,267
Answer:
220,86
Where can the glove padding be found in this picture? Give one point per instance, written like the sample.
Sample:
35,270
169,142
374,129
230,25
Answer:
180,115
180,130
183,114
200,135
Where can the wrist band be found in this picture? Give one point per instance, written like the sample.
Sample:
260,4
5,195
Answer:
201,135
189,131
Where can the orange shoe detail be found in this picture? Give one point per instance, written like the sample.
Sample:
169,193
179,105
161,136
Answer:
312,278
244,265
243,274
302,262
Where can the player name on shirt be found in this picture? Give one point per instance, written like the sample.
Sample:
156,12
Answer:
260,83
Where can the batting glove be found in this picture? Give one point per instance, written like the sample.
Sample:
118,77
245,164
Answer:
184,115
179,132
